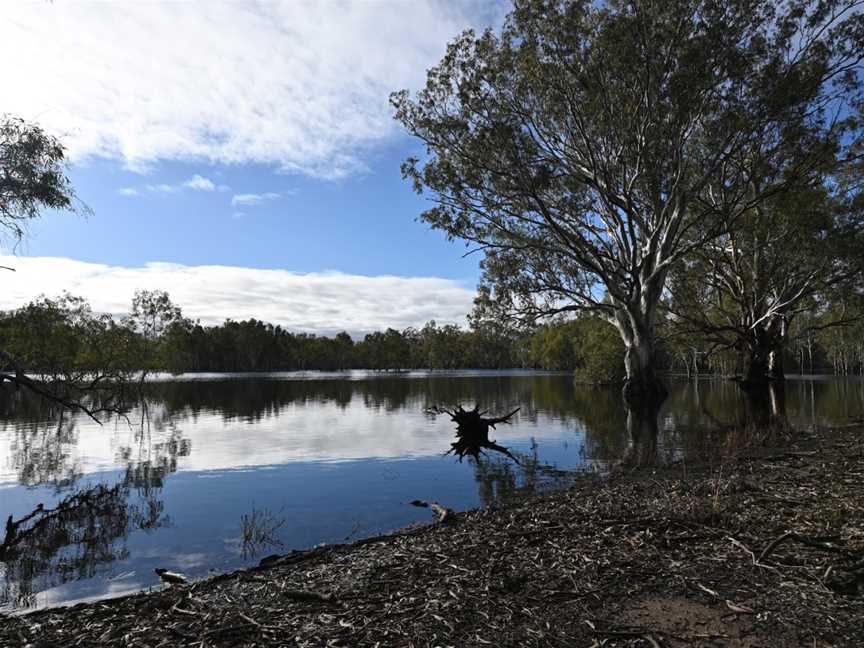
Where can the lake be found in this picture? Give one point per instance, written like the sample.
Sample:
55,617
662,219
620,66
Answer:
219,470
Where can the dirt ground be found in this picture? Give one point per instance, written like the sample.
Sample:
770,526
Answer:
763,550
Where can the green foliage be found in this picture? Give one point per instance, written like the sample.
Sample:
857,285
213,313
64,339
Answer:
601,352
589,346
61,338
80,357
781,265
159,327
32,175
555,346
153,313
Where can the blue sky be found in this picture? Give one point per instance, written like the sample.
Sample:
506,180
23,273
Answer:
246,136
363,224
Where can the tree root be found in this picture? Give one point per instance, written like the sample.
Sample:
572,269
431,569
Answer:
472,432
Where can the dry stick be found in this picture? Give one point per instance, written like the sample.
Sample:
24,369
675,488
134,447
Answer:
654,643
248,619
810,542
305,595
756,562
229,629
180,610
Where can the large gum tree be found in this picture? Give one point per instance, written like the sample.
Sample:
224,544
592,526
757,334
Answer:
588,147
785,263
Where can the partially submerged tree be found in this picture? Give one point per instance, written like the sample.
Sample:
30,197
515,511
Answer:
472,431
63,351
799,254
583,147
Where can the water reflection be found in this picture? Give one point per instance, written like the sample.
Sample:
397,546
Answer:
502,482
51,546
642,432
41,454
87,529
336,455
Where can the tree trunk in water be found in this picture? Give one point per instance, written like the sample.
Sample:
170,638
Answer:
775,364
756,370
642,381
765,406
635,322
643,430
777,396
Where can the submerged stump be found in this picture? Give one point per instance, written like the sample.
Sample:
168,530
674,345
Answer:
472,432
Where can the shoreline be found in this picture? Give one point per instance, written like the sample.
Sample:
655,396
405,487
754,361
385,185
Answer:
758,551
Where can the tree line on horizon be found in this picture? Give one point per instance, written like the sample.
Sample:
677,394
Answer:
54,337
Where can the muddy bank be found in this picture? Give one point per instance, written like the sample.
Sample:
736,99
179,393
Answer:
756,551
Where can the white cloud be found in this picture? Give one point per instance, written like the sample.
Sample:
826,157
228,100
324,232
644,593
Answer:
163,188
195,183
302,85
318,302
253,199
200,183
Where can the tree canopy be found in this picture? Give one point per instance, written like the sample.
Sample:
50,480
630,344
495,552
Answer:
799,254
589,147
32,175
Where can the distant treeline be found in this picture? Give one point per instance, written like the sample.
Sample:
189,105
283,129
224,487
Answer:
588,344
64,335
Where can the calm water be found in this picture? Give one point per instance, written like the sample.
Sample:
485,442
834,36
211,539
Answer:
315,458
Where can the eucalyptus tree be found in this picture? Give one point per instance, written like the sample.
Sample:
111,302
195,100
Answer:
786,264
32,176
63,351
151,317
584,146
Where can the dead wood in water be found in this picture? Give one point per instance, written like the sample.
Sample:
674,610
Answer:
442,513
472,431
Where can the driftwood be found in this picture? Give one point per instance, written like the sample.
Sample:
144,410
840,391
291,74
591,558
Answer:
171,577
443,513
472,432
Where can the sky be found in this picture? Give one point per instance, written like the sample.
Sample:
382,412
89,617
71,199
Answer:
242,156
